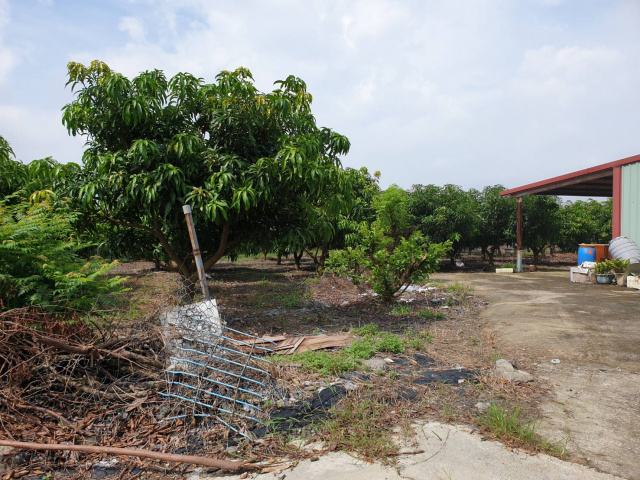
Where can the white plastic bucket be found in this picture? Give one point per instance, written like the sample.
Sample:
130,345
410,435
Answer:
625,249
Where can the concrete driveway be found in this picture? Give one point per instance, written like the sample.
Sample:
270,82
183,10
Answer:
594,330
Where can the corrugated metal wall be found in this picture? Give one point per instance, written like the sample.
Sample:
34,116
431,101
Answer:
631,202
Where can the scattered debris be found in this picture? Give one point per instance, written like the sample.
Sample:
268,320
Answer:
284,345
505,370
555,361
483,406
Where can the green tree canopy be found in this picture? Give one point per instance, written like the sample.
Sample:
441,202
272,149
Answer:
585,222
540,223
237,155
445,213
496,221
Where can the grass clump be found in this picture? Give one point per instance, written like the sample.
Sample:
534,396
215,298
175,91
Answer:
400,310
291,300
458,288
509,424
429,315
356,426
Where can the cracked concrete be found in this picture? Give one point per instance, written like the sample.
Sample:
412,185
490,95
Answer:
448,453
594,330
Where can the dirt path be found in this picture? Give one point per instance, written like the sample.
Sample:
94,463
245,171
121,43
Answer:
594,331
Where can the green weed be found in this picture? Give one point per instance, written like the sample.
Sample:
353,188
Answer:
415,343
458,288
291,300
429,315
389,342
508,423
369,329
400,310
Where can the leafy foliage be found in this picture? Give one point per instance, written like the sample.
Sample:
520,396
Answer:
389,254
615,265
39,264
237,155
540,223
496,221
585,222
445,214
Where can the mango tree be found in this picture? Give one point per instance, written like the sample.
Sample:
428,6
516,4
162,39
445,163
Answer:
388,254
540,223
496,221
445,214
234,153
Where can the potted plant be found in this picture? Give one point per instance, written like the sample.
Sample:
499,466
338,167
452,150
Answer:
506,268
608,269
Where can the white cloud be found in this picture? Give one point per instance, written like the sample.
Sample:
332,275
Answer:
472,93
134,27
36,133
564,74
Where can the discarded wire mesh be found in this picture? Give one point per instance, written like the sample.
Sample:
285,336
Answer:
212,368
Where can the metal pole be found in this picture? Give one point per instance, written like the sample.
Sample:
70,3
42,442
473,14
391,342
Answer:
196,251
519,234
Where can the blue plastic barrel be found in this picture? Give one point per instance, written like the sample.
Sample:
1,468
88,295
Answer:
586,253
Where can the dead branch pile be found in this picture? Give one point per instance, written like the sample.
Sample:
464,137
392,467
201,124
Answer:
63,381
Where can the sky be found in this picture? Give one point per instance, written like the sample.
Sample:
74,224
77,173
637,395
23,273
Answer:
468,92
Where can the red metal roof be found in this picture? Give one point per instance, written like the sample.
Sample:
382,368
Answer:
594,181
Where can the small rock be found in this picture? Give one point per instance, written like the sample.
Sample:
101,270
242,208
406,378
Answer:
375,364
461,380
388,360
483,406
314,458
307,383
555,361
350,386
505,370
245,475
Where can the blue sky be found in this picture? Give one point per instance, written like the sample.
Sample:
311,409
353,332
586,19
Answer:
472,93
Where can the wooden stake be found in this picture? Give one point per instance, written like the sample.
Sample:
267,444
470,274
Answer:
196,251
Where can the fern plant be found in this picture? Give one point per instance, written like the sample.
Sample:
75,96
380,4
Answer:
40,264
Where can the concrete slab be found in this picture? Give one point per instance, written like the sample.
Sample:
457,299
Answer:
450,452
594,330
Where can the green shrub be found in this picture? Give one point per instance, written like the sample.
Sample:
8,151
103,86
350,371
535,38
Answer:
40,264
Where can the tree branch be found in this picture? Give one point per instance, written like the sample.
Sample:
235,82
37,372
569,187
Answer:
123,222
135,452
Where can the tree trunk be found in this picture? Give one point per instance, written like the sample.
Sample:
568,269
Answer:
279,260
490,256
297,257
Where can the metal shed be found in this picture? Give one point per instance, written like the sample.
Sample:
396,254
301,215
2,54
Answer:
619,179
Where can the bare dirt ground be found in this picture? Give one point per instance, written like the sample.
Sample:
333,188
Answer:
593,330
444,370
